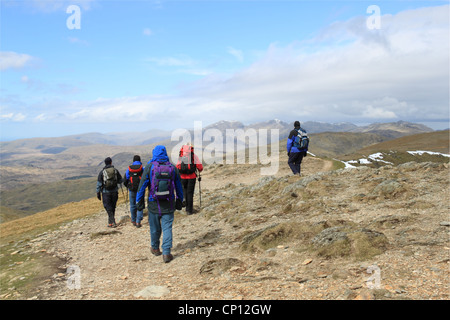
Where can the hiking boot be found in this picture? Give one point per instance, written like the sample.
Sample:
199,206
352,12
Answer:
138,225
133,223
167,258
155,252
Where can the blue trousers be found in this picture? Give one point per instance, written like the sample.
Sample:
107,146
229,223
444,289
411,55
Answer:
136,215
161,225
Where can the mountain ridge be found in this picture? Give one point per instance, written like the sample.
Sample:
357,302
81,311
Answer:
149,136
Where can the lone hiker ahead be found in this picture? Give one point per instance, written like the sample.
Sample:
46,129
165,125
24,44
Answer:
165,194
296,148
107,189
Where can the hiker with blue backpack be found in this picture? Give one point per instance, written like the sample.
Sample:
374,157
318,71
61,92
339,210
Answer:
297,147
133,177
165,194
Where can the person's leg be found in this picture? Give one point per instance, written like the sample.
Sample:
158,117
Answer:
107,204
139,217
166,226
133,207
184,184
190,195
155,230
298,161
114,199
291,162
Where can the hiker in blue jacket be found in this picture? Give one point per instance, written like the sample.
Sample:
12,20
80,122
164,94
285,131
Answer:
160,212
132,179
295,154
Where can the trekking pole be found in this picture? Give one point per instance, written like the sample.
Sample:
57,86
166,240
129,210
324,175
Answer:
126,198
200,188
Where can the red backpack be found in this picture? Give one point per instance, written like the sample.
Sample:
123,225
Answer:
135,172
187,165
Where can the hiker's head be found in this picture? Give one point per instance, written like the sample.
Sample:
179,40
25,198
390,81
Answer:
136,158
297,125
187,148
160,154
108,161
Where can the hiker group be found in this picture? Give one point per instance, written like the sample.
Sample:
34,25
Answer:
169,187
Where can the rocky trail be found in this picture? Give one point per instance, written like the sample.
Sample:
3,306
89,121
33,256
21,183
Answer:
361,233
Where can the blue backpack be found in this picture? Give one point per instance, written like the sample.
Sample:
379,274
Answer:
301,140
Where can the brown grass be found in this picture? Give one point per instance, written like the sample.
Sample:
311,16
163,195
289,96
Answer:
45,220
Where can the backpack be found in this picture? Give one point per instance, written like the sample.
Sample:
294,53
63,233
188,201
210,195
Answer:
301,140
135,173
187,165
162,182
109,178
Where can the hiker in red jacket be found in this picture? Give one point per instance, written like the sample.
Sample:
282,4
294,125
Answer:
188,164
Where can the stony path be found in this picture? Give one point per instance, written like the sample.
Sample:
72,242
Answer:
210,263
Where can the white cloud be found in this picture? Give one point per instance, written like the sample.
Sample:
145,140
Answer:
238,54
14,60
16,117
378,113
347,73
78,41
178,61
181,64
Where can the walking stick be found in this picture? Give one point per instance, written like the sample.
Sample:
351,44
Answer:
200,189
126,198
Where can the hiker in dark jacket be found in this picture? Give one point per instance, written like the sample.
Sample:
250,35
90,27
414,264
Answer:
132,180
108,191
160,212
295,154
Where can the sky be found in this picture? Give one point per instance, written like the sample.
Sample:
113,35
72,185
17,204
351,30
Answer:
70,67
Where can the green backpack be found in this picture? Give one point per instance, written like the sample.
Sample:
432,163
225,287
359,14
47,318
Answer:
110,178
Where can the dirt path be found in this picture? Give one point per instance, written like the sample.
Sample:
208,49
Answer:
209,262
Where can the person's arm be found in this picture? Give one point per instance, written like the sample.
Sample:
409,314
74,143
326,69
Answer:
178,186
99,185
290,141
145,180
198,163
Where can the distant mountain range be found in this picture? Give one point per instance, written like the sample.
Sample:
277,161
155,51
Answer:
389,130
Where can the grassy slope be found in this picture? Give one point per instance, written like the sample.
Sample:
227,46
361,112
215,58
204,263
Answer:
35,198
437,141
